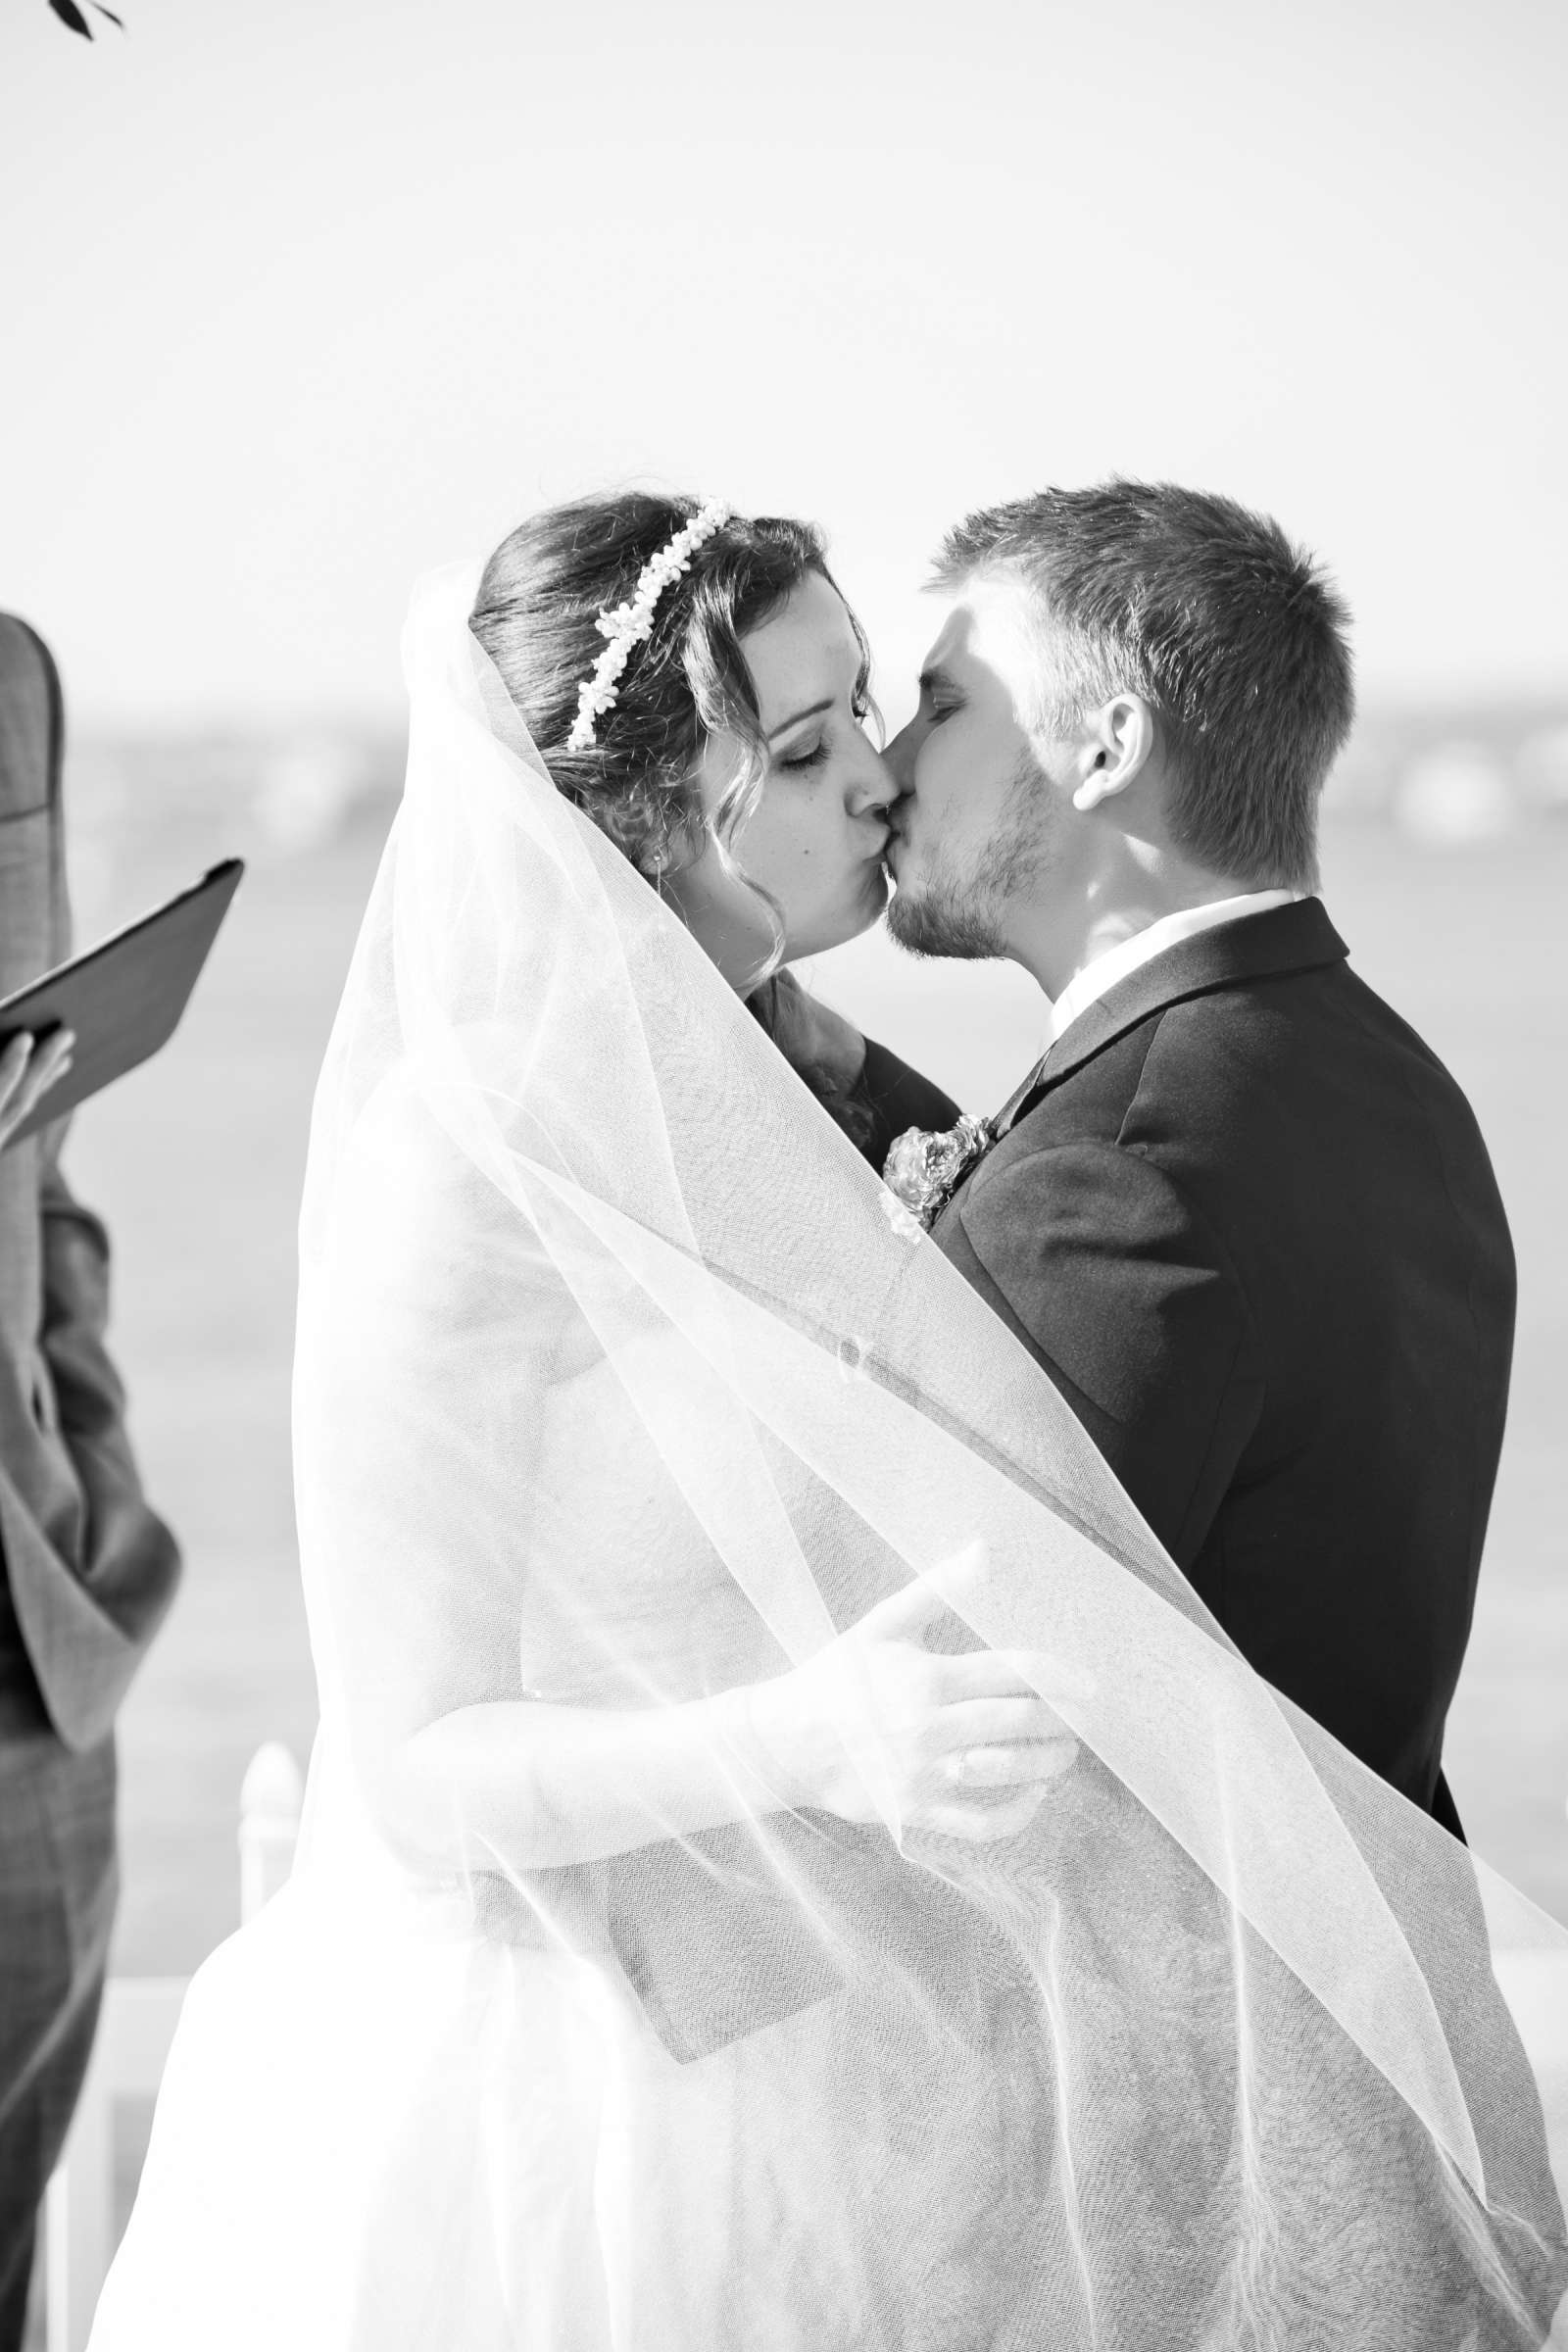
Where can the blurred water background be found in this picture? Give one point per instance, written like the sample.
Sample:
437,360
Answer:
1446,868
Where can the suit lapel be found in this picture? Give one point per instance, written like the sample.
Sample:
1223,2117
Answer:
1298,938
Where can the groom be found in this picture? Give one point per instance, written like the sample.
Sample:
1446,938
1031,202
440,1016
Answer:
1240,1213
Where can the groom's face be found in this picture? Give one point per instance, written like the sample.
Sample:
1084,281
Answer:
977,824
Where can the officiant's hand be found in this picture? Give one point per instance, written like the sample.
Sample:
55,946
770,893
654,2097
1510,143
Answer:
28,1068
876,1727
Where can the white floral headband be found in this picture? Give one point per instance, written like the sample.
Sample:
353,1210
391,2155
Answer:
627,625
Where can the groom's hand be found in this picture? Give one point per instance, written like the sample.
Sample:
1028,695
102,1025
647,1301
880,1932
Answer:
876,1727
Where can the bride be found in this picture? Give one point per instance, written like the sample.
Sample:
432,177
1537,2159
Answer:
790,1866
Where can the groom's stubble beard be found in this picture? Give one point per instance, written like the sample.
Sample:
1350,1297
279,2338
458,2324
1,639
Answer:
960,916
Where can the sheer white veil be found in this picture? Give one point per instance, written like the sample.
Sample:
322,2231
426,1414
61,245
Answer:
621,1379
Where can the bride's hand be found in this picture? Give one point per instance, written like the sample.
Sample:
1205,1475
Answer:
876,1727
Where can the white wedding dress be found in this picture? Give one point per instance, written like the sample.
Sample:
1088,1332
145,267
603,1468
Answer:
620,1381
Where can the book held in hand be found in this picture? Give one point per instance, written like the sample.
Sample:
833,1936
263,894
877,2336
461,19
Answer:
124,998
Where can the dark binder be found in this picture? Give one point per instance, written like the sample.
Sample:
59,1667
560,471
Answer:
124,998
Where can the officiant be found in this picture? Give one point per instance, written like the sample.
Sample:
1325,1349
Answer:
88,1568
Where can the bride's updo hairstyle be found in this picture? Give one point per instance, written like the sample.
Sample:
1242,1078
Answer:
541,595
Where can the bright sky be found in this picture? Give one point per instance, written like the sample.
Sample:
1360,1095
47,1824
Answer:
301,299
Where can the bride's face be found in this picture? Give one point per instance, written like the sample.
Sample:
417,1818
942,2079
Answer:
815,838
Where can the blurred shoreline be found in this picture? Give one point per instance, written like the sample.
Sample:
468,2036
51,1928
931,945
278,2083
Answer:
1468,770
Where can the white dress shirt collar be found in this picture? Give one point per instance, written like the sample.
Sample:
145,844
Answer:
1092,983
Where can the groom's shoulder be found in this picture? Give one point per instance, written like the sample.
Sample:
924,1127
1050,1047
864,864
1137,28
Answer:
1305,1052
1260,1045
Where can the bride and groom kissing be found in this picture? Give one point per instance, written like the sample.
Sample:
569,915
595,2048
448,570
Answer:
1239,1212
879,1785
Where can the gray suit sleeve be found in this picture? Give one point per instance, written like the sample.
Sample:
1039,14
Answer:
89,1395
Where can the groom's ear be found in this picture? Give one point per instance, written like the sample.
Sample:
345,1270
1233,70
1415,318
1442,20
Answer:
1115,744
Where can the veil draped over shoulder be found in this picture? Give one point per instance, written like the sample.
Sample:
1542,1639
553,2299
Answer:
622,1381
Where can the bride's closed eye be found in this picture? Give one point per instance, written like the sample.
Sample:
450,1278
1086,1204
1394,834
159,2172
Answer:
817,752
803,759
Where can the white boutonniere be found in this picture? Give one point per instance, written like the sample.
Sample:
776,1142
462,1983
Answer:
923,1172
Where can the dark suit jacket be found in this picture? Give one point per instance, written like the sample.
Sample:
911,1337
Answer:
89,1569
1247,1223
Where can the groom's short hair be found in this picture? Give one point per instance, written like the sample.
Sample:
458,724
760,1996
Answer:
1231,634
